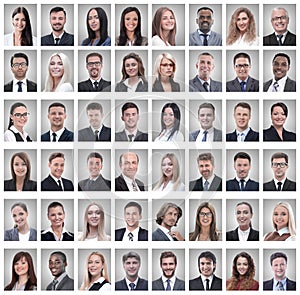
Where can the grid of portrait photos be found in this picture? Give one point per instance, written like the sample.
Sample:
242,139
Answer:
149,146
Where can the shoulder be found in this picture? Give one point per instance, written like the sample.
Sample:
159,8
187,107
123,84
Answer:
156,41
8,39
65,87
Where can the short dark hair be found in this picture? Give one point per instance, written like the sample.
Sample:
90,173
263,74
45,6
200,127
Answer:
281,105
19,55
57,9
242,155
241,54
283,55
54,205
56,104
94,155
205,8
206,105
163,209
244,105
278,255
131,254
134,204
167,254
129,105
207,255
94,106
93,54
56,155
280,155
206,157
61,254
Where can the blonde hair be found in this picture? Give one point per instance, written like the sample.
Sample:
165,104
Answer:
156,70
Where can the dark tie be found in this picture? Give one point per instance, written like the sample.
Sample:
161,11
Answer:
207,284
205,85
96,135
20,86
56,41
206,183
59,185
130,137
280,40
275,86
168,285
280,286
279,185
53,285
132,286
130,237
242,184
205,43
243,86
204,138
96,85
54,135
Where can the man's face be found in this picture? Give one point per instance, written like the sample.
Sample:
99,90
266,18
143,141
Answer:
242,168
57,167
94,67
132,217
205,66
204,20
207,267
19,68
129,165
168,267
242,117
57,21
130,118
280,67
95,118
279,172
242,67
206,117
206,168
94,166
57,117
56,265
279,268
170,218
279,21
131,267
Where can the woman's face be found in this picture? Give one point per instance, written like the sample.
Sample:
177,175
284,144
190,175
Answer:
56,216
168,118
94,215
243,216
166,67
131,67
167,21
280,217
20,167
21,266
19,117
242,22
56,67
278,117
205,217
95,265
167,168
20,216
94,21
242,266
131,21
19,22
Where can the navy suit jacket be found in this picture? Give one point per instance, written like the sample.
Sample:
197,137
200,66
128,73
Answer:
87,86
290,85
215,39
251,136
196,85
142,235
49,184
66,40
290,285
271,40
197,185
140,136
67,135
233,185
66,284
31,86
100,184
197,284
271,134
159,285
234,236
142,284
235,86
120,184
217,135
87,134
289,185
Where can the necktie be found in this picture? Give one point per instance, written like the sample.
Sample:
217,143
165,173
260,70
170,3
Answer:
204,138
275,86
95,85
242,184
280,40
205,85
59,185
241,137
54,283
132,286
20,86
56,41
96,135
207,284
54,135
134,186
168,285
205,43
130,137
206,183
243,86
279,185
130,237
280,286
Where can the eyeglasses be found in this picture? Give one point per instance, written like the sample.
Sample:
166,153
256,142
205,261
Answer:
281,165
19,115
277,18
239,66
207,214
94,64
167,65
17,65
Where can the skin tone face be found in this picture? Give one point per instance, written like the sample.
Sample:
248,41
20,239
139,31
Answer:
279,173
95,266
168,267
280,67
130,118
280,217
131,67
94,166
167,168
131,267
170,218
129,165
19,123
19,216
205,217
206,267
242,22
166,67
242,265
242,117
21,267
56,216
94,67
168,118
56,265
57,116
20,167
279,21
278,117
206,117
19,22
132,217
57,167
205,66
242,72
93,215
57,21
95,118
56,67
167,21
131,21
20,71
279,267
94,21
242,168
205,20
243,216
206,168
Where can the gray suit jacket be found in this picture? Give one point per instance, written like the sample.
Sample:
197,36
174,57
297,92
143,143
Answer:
235,86
214,39
13,235
196,85
217,135
290,85
140,136
66,284
159,285
159,235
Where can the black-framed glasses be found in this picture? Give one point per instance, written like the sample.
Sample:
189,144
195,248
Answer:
239,66
281,165
207,214
19,64
277,18
19,115
94,64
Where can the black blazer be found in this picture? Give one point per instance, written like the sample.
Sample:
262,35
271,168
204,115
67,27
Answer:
142,87
140,136
234,236
289,185
271,40
290,285
197,185
48,236
66,40
271,134
235,86
49,184
290,85
31,86
66,136
29,185
159,285
141,285
87,86
157,86
233,185
87,134
120,184
251,136
142,235
197,284
100,184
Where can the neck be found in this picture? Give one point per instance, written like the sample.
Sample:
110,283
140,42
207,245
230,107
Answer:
20,180
165,35
130,129
165,79
132,279
56,128
133,80
133,227
278,128
56,81
93,231
240,129
279,279
204,31
22,280
57,230
280,178
244,227
205,230
95,277
24,229
130,35
19,128
57,33
97,35
166,226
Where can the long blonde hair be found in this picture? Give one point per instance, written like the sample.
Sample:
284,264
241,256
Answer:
156,70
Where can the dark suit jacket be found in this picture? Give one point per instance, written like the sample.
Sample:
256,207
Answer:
159,285
141,285
49,184
142,235
120,184
233,185
142,87
290,85
234,236
271,134
66,284
67,135
100,184
159,235
48,236
140,136
290,285
196,85
289,185
87,134
157,86
235,86
13,234
217,135
197,185
66,40
10,185
87,86
31,86
251,136
271,40
197,284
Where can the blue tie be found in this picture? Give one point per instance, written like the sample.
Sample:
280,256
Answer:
20,86
242,184
243,86
206,185
168,285
132,286
204,135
